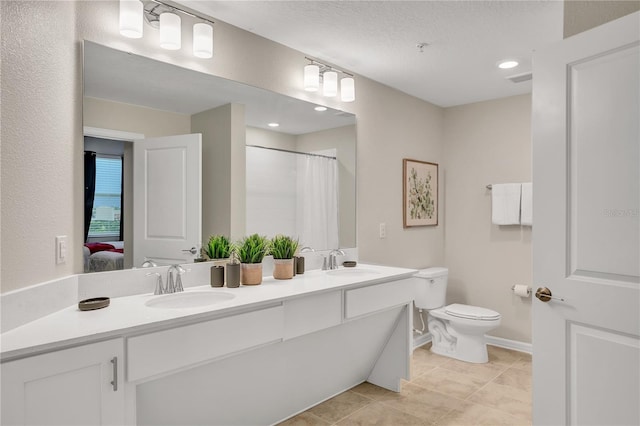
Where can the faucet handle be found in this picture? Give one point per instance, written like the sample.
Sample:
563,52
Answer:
179,271
159,286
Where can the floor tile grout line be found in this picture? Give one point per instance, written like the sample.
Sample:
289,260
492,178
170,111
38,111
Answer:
353,412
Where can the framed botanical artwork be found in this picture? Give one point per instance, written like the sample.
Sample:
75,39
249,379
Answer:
419,193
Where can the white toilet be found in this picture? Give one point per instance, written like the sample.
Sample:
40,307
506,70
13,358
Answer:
457,331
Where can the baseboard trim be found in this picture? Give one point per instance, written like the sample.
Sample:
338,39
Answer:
421,340
515,345
510,344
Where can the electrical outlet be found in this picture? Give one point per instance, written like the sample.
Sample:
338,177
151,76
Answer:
383,230
61,249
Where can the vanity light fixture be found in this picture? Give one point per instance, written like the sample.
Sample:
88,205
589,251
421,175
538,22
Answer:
164,16
330,84
170,31
131,12
203,40
311,78
273,125
316,72
348,89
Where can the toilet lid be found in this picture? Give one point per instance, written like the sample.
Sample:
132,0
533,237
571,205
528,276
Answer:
471,312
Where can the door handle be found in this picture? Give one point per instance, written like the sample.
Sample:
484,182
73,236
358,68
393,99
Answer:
192,250
544,295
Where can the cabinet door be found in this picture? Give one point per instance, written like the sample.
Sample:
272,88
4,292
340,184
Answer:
78,386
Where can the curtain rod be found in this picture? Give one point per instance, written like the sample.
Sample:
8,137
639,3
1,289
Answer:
293,152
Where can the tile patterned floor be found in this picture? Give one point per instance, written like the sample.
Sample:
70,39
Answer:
442,391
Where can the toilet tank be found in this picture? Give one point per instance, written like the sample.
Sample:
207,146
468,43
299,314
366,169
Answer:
431,288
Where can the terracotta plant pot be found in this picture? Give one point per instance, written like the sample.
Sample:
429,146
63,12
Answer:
251,273
283,269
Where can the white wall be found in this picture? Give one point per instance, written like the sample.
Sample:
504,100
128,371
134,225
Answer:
487,142
42,126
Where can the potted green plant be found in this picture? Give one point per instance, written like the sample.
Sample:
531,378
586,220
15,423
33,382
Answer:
251,250
218,248
283,249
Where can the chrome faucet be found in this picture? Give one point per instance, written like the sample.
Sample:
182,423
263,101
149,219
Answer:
174,286
333,262
148,263
159,286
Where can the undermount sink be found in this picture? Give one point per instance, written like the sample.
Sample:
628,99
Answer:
188,299
352,272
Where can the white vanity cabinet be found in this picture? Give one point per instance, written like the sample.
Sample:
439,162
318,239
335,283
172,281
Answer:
78,386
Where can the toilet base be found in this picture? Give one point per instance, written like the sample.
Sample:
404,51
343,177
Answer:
464,340
476,354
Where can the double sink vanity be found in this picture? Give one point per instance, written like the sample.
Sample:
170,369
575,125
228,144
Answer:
230,356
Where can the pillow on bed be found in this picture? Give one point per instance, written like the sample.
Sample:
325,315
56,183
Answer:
96,247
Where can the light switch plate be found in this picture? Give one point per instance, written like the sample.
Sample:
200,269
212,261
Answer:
61,249
383,230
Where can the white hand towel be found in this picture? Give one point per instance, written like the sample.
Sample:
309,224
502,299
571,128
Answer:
505,203
526,204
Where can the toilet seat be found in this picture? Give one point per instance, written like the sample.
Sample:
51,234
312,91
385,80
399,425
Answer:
471,312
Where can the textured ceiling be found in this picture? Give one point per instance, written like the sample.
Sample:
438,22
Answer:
377,39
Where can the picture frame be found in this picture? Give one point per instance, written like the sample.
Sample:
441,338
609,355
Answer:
419,193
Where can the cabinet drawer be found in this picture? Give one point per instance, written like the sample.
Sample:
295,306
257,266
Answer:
373,298
167,350
312,313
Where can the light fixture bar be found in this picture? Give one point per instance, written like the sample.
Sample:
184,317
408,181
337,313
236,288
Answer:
174,7
324,67
316,71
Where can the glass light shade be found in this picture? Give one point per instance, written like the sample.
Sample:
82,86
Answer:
311,78
330,83
203,40
347,89
131,18
170,31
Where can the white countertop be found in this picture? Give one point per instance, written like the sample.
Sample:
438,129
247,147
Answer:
129,315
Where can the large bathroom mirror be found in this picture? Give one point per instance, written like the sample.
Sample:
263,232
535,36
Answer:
299,176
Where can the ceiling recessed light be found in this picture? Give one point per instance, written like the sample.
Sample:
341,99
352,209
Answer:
507,64
320,108
273,124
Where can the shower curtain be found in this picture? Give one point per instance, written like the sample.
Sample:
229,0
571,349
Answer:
294,194
317,202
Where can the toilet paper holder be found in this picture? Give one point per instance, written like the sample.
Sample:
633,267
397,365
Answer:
519,290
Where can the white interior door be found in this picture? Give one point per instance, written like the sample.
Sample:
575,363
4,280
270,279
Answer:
586,352
167,199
